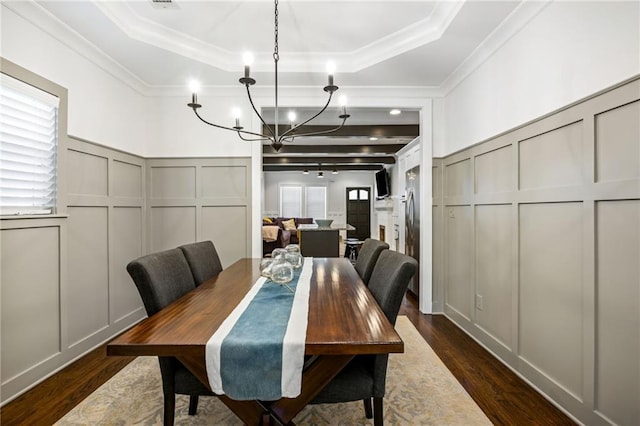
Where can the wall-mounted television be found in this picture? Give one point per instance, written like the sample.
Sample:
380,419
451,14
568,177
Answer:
382,183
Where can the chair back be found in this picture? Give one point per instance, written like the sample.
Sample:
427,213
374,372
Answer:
390,280
368,256
161,278
203,260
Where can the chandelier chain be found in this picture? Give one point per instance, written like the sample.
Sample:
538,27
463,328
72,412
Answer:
276,54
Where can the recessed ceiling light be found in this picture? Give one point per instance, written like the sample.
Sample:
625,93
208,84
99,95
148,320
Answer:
395,112
373,138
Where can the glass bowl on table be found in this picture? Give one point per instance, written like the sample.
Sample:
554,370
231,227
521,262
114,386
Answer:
282,269
294,256
265,267
277,253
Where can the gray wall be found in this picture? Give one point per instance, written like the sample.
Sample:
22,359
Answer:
65,289
537,247
200,199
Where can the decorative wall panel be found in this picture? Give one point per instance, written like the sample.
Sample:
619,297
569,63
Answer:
172,182
30,299
172,227
89,275
494,270
127,237
618,143
494,171
224,181
459,259
552,252
88,176
126,179
551,291
617,301
458,179
227,228
210,200
552,159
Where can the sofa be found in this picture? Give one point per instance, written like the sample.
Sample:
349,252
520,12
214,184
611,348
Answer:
284,236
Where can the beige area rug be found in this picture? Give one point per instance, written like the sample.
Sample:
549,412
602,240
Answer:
420,391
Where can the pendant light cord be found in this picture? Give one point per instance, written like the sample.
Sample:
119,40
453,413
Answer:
276,58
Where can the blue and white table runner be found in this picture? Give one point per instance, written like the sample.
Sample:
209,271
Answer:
258,351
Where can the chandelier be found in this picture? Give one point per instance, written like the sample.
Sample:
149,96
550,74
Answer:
272,134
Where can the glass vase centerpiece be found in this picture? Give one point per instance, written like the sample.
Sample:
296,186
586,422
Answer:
281,268
294,256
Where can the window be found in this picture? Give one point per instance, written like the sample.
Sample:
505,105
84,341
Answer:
291,201
316,202
28,141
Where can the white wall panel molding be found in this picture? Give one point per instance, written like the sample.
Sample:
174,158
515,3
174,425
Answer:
552,271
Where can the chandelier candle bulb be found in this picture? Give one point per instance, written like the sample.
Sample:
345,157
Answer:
248,60
236,115
194,86
343,104
331,69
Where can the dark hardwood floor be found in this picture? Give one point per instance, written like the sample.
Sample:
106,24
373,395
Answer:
504,397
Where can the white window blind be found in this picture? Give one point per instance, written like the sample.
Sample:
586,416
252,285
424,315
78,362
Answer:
317,202
28,140
291,201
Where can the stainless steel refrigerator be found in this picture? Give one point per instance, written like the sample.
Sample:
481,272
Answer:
412,222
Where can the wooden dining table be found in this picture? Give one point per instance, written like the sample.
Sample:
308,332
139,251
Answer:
344,320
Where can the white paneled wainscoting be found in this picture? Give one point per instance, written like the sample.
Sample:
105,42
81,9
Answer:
537,247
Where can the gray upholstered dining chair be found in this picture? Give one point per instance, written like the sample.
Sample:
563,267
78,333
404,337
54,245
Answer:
162,278
368,256
364,377
203,260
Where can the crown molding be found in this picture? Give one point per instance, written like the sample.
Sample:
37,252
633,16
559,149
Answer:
152,33
516,21
418,34
411,37
43,19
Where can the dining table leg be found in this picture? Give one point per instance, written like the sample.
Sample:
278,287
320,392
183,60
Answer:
314,379
250,412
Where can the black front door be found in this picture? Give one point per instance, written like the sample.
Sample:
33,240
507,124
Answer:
359,212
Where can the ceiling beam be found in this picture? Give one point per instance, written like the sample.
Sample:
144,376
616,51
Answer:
328,160
379,131
334,149
325,169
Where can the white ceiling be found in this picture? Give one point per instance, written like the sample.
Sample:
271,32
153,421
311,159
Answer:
373,43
